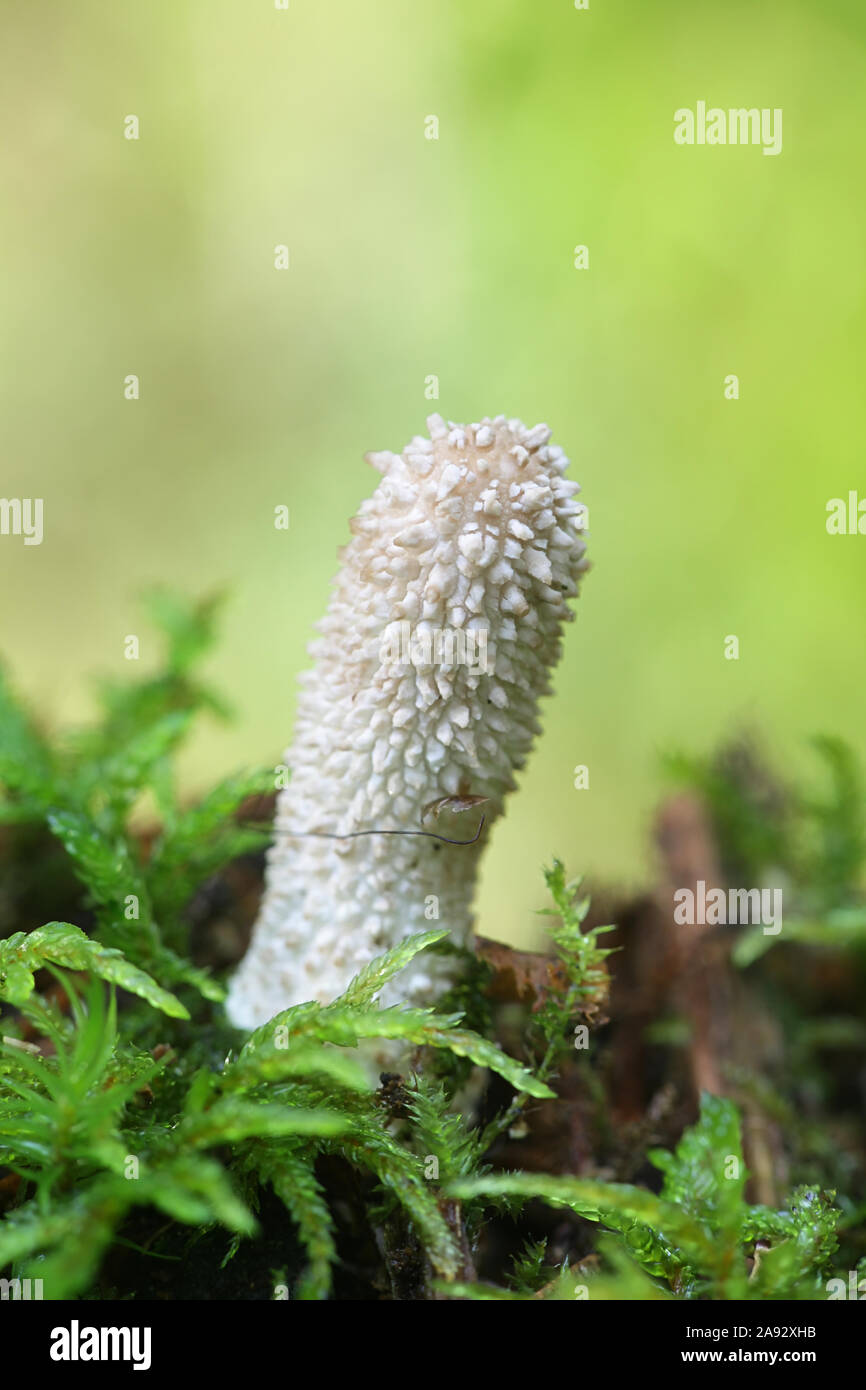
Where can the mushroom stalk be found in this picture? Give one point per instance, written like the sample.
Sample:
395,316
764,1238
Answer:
443,626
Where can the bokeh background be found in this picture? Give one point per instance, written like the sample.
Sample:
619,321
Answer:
412,257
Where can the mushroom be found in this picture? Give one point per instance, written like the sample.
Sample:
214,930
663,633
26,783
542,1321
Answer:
442,630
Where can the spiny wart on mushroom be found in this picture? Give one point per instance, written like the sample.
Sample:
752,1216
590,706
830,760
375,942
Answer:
472,539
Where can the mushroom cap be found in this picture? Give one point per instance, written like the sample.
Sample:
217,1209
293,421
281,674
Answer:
443,627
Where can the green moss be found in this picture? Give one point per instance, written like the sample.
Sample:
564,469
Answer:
150,1144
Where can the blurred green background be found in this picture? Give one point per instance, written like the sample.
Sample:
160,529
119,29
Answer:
453,257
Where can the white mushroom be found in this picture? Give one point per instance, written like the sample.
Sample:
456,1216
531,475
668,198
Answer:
443,626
